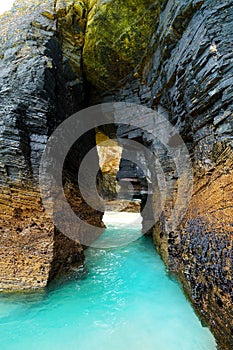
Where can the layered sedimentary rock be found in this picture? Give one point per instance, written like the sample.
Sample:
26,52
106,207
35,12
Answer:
174,56
39,89
188,72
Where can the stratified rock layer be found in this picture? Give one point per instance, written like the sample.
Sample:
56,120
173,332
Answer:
188,72
176,57
39,89
190,75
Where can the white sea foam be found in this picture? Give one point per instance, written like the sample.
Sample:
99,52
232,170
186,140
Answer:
124,218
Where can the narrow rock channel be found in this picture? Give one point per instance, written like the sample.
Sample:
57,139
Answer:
58,57
123,298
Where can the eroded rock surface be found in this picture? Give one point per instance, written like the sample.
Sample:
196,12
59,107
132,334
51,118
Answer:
190,75
109,152
171,55
39,89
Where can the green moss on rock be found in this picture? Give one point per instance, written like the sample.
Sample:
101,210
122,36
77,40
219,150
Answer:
117,37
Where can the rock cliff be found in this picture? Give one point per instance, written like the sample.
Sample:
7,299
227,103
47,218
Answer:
175,56
40,87
190,74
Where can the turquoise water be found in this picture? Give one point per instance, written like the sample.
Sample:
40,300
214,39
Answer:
122,300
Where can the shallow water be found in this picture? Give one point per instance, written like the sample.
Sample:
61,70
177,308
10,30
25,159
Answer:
122,300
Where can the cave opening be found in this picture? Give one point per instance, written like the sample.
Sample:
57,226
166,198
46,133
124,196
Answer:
123,186
72,55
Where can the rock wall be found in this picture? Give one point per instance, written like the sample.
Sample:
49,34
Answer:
109,153
40,87
171,55
190,75
116,39
186,71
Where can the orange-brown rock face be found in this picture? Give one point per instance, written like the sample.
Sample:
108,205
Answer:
40,87
109,153
185,69
202,251
29,243
26,241
189,75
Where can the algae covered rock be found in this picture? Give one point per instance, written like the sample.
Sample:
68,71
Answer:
118,33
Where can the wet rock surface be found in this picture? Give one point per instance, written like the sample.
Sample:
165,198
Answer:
51,65
39,89
189,75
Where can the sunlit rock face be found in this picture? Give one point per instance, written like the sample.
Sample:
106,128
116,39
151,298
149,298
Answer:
109,153
111,189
